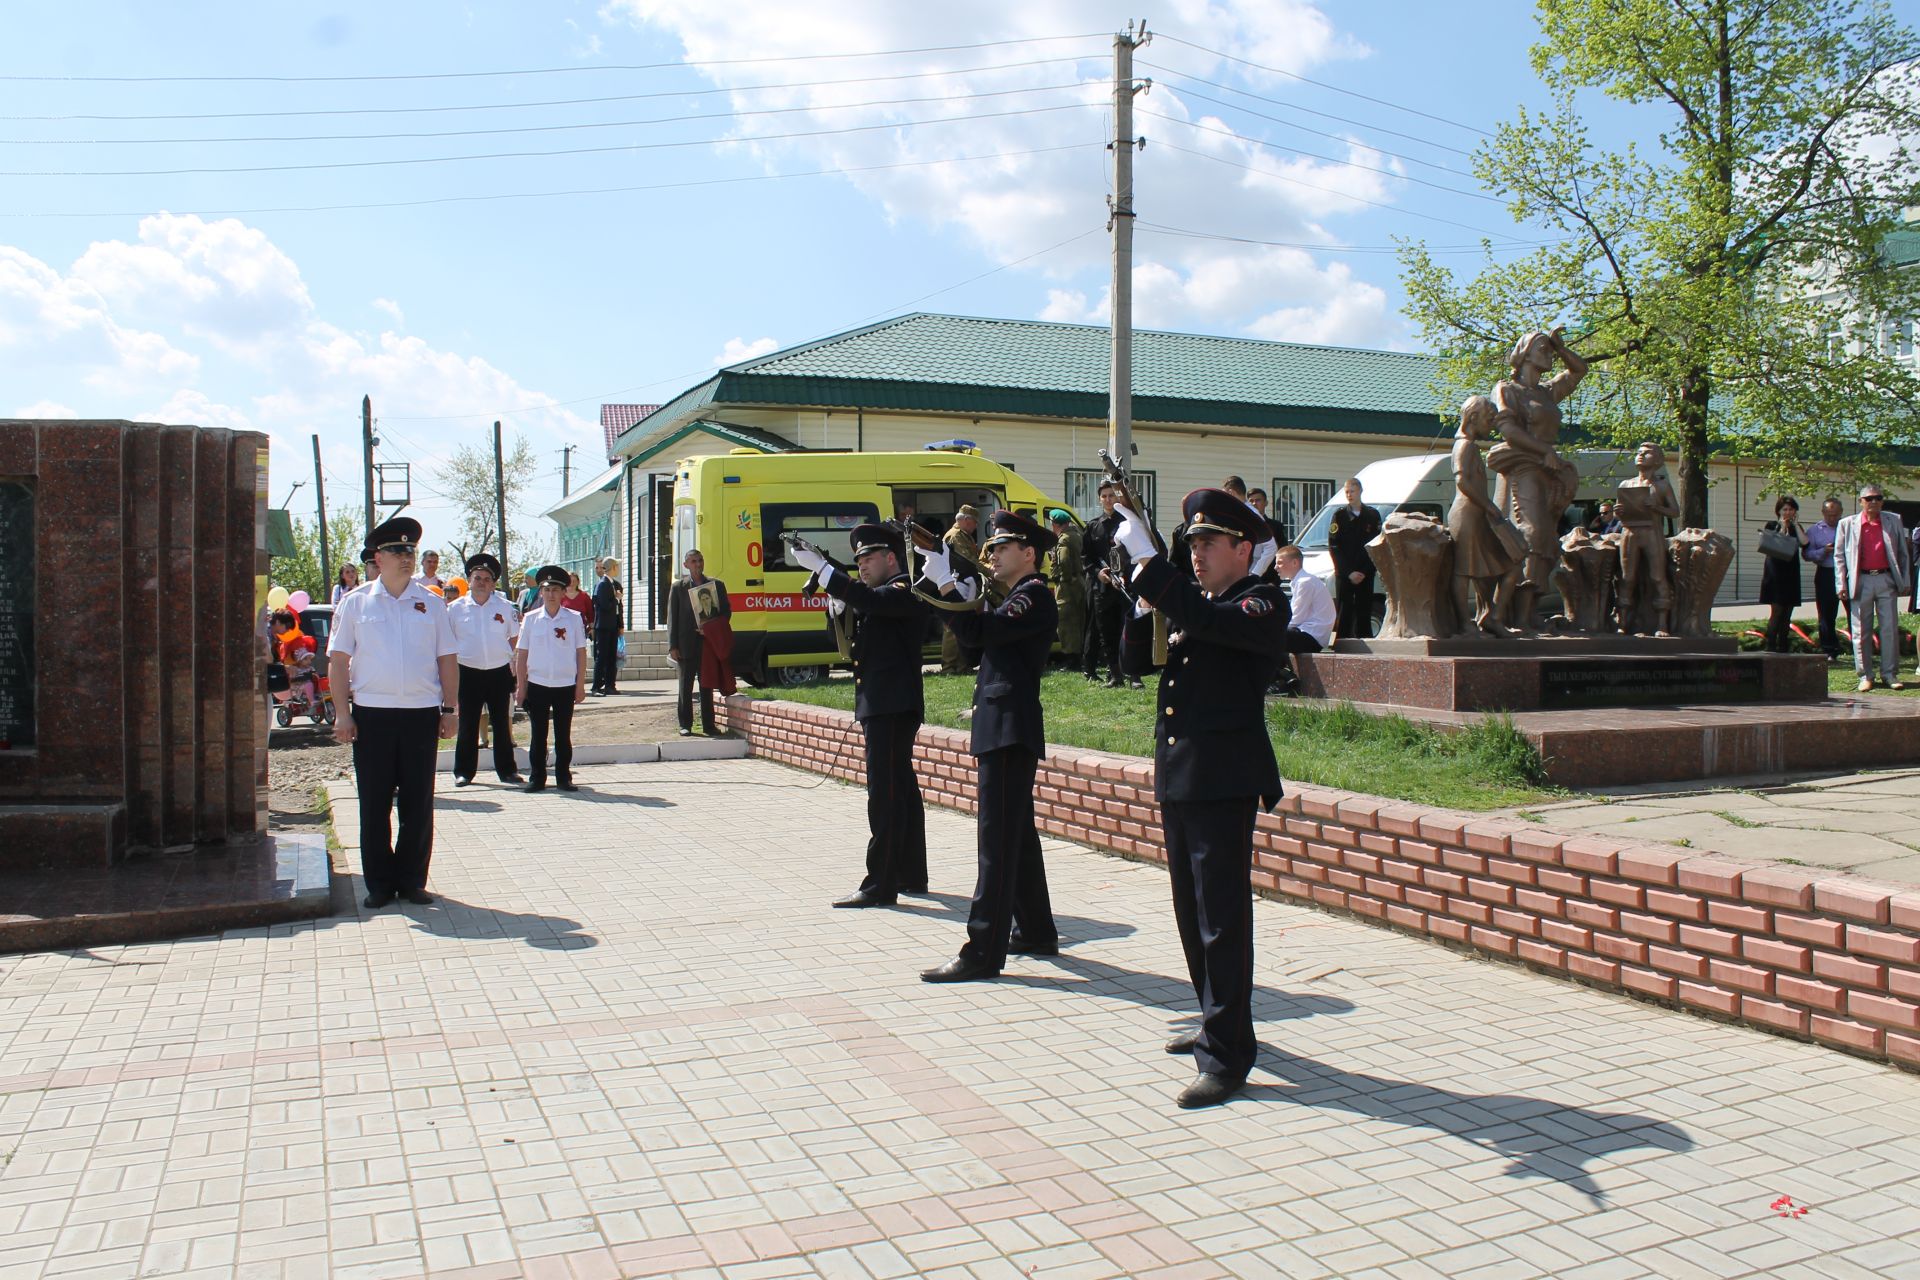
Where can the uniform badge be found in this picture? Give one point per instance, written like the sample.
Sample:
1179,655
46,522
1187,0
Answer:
499,618
1017,604
419,606
559,633
1333,526
1256,606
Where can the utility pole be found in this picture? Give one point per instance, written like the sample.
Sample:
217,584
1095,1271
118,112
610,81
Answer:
500,497
366,445
1120,223
566,469
320,495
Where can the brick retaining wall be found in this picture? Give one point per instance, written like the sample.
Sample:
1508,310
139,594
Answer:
1806,954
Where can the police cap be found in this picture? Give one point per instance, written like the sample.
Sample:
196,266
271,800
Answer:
1217,511
878,537
553,575
481,560
1011,526
401,531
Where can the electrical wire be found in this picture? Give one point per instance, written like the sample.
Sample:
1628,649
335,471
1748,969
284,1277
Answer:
542,195
1315,155
533,128
540,71
568,151
558,102
1159,228
1335,191
1321,133
1322,84
1293,106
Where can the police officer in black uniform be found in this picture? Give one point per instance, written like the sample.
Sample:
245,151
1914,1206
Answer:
1353,527
889,625
1213,764
1107,602
1011,910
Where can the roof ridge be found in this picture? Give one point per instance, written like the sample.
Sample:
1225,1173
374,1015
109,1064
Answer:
1006,321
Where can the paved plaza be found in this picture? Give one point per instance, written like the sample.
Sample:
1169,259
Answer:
633,1039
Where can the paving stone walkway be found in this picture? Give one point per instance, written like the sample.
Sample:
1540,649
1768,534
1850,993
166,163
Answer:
633,1039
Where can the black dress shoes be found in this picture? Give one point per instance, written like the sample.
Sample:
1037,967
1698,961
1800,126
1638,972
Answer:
919,889
459,781
375,901
961,969
686,733
1136,683
1208,1091
567,784
418,897
861,898
513,779
1021,947
1184,1042
538,784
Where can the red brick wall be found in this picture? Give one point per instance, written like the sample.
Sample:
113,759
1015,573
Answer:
1815,956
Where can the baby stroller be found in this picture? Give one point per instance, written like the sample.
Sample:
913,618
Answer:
291,698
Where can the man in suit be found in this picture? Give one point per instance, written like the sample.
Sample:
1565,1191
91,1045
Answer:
1872,567
889,623
1213,765
1353,527
1011,910
606,630
684,643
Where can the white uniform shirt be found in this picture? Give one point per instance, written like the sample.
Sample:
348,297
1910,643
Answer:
431,580
486,631
1313,608
550,642
395,643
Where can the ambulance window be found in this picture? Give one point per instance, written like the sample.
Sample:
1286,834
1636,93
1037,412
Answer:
683,534
825,524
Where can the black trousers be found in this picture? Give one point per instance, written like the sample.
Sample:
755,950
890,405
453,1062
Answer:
897,848
606,658
1355,602
689,672
1826,600
1011,892
1106,615
547,702
1210,853
489,690
394,750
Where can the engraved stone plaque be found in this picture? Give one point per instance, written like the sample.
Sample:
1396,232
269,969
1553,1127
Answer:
16,615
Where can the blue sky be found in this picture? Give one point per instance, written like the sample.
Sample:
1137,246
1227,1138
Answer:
242,299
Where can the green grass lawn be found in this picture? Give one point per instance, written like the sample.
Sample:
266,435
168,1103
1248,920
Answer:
1490,766
1840,676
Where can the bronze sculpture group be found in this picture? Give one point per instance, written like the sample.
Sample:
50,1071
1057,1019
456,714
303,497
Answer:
1484,571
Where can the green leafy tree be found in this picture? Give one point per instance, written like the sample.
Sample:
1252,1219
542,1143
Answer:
466,482
1729,282
301,570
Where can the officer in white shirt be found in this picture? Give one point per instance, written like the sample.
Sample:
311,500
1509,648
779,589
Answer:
550,671
393,648
1314,613
429,575
486,625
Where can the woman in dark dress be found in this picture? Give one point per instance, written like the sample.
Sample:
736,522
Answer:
1780,579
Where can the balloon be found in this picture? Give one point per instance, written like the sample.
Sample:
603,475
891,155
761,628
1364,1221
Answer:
298,601
277,598
458,584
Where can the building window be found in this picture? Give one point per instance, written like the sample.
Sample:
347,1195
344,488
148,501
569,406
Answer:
1083,491
1897,339
1293,503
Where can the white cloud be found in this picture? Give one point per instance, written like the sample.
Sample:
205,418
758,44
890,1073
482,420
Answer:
1202,175
739,349
43,409
392,308
48,321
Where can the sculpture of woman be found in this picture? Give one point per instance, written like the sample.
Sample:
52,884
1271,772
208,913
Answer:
1535,482
1488,552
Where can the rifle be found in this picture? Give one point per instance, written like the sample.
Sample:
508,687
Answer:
1119,564
840,622
918,535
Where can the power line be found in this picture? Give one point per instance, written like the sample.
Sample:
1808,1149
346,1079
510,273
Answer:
1320,133
1315,155
533,128
837,171
1345,195
1294,106
540,71
1322,84
568,151
1162,229
560,102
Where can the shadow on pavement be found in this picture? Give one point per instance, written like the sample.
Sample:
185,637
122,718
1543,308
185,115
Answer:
951,906
451,918
1544,1139
1154,990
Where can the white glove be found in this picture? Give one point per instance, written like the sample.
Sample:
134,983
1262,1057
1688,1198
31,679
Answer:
1132,534
1263,556
1141,608
964,587
836,606
806,557
937,566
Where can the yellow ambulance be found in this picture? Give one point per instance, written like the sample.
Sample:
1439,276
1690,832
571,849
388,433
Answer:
734,507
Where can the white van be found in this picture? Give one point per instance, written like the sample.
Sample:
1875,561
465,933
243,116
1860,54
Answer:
1424,483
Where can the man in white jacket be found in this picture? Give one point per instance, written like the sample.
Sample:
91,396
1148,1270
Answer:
1872,570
